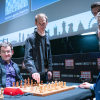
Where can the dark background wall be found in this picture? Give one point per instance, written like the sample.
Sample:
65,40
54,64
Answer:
68,45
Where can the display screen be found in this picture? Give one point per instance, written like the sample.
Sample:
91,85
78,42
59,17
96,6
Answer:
37,4
11,9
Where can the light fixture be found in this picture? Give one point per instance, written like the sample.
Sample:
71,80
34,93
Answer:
89,33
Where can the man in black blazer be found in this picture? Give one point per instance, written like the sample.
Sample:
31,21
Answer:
9,71
95,9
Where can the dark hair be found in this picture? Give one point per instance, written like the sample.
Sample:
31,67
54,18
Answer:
95,5
5,44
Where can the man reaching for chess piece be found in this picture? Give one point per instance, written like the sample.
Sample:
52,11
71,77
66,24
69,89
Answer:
38,52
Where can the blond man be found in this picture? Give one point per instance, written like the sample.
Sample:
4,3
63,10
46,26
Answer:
38,57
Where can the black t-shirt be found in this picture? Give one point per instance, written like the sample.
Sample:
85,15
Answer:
43,46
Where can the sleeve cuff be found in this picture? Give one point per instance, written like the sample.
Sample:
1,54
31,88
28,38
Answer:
92,86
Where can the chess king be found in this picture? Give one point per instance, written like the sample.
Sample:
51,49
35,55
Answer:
9,71
37,51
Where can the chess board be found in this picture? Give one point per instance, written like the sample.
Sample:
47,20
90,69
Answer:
14,5
42,89
45,91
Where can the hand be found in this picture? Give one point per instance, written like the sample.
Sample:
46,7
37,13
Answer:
49,75
36,76
85,85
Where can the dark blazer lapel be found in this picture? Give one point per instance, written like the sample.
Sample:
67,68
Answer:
16,69
3,74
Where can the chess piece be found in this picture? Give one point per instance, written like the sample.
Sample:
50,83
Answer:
13,84
25,83
64,84
1,96
34,83
55,80
38,84
61,84
41,82
31,83
57,87
28,82
45,87
17,84
21,84
41,89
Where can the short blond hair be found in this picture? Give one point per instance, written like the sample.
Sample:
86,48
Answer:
41,15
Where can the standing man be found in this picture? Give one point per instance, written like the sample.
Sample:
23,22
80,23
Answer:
95,8
38,57
9,71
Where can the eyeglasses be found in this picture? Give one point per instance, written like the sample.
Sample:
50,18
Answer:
44,24
3,52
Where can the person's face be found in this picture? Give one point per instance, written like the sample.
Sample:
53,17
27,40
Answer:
6,53
95,10
41,24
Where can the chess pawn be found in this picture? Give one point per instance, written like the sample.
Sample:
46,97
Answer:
17,84
31,83
36,89
28,82
61,84
25,83
52,86
35,84
13,84
57,87
41,82
55,81
21,84
45,87
64,84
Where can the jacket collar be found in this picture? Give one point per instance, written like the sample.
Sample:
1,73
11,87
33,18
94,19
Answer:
4,62
46,34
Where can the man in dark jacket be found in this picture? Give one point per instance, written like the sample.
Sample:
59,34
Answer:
95,8
38,58
9,71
